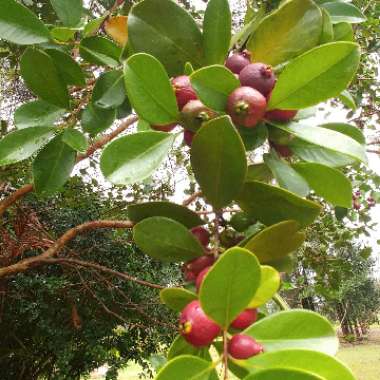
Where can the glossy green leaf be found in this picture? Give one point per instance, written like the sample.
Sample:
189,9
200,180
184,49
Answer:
69,69
348,100
186,367
314,153
283,374
63,34
269,285
314,362
52,166
344,12
37,113
181,214
20,145
319,74
166,240
259,172
181,347
100,51
149,89
329,183
213,85
295,329
276,242
347,129
68,11
177,298
287,32
286,176
343,32
218,160
93,26
75,139
21,26
271,205
327,28
109,90
95,120
47,83
253,137
166,31
222,295
216,31
133,158
327,139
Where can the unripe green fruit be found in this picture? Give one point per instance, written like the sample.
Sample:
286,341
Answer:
279,137
194,114
241,221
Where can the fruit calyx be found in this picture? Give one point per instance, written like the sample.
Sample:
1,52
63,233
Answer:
237,61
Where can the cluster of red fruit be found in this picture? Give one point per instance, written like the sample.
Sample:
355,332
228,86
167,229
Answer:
246,105
196,327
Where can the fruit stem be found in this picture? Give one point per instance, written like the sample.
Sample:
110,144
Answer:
218,214
225,354
281,303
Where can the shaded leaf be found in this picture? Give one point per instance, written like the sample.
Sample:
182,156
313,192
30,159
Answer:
68,11
95,120
109,90
177,298
100,51
75,139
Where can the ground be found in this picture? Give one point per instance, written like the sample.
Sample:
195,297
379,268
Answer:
362,358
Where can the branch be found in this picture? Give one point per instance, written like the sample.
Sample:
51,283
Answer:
373,151
192,198
18,194
101,268
31,262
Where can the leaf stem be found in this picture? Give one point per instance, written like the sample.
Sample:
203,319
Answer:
280,302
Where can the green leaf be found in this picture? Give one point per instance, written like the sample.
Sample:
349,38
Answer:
348,100
37,113
343,32
21,26
213,85
166,240
286,176
133,158
314,362
344,12
295,329
100,51
47,83
321,73
75,139
327,28
93,26
20,145
271,205
313,153
177,298
149,89
269,285
181,347
327,182
186,367
63,34
52,166
95,120
327,139
109,90
347,129
166,31
283,374
216,31
277,241
253,137
181,214
286,33
222,295
218,160
259,172
68,11
69,69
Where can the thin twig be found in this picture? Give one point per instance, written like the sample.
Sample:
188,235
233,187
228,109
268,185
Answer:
192,198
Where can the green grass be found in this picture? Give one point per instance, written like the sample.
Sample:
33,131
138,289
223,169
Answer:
364,360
